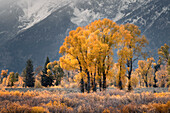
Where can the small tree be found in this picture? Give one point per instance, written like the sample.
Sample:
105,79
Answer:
44,78
29,77
162,77
145,70
55,71
4,73
164,54
16,76
12,79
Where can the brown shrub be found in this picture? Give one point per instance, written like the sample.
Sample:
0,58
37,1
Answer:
16,108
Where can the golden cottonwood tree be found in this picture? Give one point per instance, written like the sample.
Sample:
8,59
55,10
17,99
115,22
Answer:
89,49
163,77
145,70
164,58
130,48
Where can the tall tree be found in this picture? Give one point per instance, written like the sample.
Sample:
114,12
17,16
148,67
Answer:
29,77
164,57
90,46
132,42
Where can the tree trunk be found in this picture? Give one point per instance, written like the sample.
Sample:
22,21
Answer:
146,81
104,81
82,85
82,80
120,83
88,81
129,85
94,83
129,64
100,84
156,68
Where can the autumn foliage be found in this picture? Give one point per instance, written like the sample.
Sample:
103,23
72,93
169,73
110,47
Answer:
89,50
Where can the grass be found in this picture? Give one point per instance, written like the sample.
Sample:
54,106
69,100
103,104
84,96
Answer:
58,100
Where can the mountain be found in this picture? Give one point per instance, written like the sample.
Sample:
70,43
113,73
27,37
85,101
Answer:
36,29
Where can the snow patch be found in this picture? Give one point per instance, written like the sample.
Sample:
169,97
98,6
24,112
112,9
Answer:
83,17
119,15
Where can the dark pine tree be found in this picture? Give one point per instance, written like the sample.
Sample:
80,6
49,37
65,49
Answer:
29,77
45,80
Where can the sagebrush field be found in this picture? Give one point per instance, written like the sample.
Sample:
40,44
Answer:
72,101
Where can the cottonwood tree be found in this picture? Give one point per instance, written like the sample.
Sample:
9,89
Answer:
162,77
145,70
80,54
164,59
131,44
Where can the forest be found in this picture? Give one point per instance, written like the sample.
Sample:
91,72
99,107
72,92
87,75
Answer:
105,67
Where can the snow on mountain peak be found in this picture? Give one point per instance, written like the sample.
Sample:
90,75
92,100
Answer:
37,10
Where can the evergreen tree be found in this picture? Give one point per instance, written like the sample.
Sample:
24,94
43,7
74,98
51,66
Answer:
44,78
29,77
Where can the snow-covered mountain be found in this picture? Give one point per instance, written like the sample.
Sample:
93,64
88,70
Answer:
37,28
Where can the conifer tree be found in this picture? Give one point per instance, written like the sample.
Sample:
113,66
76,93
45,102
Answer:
29,77
44,78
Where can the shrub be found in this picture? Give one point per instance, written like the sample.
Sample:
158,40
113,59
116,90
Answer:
38,109
15,108
106,110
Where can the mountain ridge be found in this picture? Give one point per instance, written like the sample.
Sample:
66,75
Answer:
46,36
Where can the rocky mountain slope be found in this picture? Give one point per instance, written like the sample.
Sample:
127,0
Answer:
37,29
